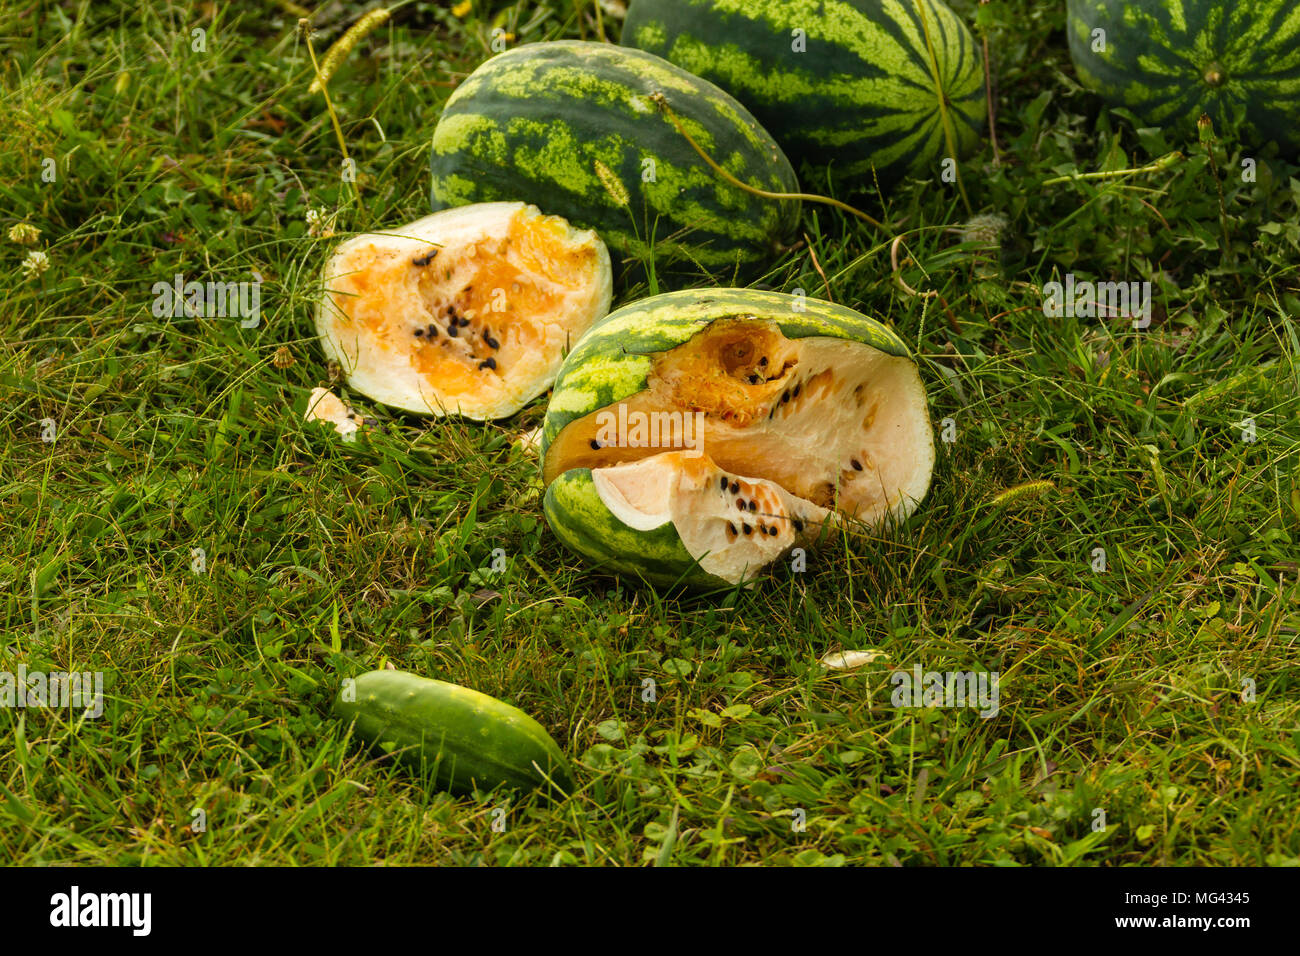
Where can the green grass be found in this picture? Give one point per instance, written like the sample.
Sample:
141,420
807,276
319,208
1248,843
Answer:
1121,691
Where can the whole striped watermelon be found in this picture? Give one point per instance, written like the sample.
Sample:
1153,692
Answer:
849,84
1169,61
574,128
698,437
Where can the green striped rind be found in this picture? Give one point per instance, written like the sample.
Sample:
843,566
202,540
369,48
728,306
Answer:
471,738
570,127
863,92
611,361
582,522
1158,54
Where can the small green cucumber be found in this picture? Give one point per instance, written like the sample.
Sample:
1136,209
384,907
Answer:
466,739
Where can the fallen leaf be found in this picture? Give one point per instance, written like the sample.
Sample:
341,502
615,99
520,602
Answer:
847,660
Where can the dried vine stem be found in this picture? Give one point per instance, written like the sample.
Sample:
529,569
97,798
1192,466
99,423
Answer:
1161,164
662,102
304,30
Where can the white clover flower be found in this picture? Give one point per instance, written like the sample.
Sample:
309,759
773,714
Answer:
24,233
318,225
35,264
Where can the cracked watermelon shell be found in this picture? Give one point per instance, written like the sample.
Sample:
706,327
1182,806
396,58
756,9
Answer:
697,437
575,128
850,84
1169,61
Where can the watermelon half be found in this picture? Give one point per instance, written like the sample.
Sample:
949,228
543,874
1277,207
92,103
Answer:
466,312
696,437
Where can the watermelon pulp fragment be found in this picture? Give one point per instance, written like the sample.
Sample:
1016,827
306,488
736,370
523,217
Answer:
468,311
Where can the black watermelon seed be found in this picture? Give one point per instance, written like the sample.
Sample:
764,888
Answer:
763,362
419,333
797,389
487,363
731,527
740,503
735,486
594,444
748,529
724,482
857,465
452,330
798,525
785,396
753,380
431,331
424,260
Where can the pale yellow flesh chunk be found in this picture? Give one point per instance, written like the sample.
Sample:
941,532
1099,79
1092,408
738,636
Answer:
466,312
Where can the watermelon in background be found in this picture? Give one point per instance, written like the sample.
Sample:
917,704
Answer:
574,128
849,84
1169,61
